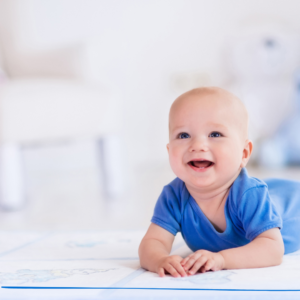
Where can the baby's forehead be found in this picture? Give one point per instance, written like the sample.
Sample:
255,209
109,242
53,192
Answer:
211,100
216,97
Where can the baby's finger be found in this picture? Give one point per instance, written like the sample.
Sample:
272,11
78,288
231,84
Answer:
178,267
191,261
198,264
208,266
161,272
183,262
171,270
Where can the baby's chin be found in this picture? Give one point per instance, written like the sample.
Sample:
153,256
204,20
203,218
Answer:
211,182
207,181
201,183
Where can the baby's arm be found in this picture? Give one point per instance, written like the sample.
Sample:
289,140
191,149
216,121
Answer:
265,250
154,253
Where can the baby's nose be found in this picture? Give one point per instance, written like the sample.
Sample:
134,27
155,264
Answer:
199,144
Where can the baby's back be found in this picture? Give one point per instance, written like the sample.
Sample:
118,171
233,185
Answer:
286,196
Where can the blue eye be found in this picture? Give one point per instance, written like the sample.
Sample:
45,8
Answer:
183,135
215,134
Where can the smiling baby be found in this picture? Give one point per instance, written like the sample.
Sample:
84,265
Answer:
229,220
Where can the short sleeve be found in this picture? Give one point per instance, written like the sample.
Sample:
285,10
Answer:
167,211
257,212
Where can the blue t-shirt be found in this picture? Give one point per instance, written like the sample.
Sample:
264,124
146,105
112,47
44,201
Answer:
252,207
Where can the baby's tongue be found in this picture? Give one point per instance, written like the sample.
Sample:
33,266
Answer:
201,164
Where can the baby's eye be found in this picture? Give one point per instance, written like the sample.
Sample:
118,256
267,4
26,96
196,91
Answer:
183,135
215,134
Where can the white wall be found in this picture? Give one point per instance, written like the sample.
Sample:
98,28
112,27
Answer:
150,51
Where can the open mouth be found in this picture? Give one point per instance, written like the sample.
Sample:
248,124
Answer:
200,164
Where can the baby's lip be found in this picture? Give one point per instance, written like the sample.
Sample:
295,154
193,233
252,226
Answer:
200,163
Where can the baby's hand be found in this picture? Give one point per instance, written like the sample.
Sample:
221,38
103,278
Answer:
171,264
203,261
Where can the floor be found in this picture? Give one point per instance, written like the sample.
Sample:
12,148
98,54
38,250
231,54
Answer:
64,197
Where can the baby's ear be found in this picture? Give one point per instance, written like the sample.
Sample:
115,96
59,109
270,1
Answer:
248,147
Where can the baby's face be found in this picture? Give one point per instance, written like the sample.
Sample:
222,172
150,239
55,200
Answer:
207,140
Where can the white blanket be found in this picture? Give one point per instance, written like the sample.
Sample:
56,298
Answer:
109,259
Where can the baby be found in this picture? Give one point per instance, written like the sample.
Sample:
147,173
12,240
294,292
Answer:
229,220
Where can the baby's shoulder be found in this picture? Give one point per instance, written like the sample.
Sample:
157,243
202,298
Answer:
175,187
176,191
245,184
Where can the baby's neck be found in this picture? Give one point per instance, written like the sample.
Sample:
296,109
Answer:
212,205
211,199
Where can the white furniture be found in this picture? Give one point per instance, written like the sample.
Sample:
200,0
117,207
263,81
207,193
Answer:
51,110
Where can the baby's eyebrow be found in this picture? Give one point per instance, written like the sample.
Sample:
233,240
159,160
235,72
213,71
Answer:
217,125
212,125
178,128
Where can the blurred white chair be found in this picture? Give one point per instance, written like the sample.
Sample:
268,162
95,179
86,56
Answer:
45,110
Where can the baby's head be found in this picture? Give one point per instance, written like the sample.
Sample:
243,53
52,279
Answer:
208,138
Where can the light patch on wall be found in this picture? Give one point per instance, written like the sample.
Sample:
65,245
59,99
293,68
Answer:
186,81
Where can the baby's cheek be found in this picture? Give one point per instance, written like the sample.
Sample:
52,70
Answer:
231,156
175,159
